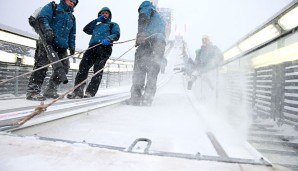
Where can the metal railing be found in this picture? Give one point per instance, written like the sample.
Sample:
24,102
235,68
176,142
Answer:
16,58
275,92
18,86
270,92
264,77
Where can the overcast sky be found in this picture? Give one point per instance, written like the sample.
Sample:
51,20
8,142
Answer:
226,21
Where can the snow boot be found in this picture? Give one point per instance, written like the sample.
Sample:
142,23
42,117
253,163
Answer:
189,85
35,97
87,95
75,95
53,95
133,102
146,101
51,91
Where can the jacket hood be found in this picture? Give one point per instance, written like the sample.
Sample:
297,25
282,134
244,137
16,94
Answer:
105,9
77,1
147,5
65,6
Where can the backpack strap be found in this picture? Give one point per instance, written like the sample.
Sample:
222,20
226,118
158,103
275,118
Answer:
54,7
153,12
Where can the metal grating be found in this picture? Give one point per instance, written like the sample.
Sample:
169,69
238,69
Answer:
263,91
290,108
18,86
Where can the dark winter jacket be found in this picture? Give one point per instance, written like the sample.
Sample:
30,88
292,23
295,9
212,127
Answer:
208,57
61,21
150,22
102,30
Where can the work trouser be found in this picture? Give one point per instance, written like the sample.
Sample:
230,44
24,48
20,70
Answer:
96,57
37,78
148,58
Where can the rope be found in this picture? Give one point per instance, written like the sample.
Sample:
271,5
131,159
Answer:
42,107
67,57
124,41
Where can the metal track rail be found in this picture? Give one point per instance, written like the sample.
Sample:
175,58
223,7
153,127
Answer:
147,151
9,118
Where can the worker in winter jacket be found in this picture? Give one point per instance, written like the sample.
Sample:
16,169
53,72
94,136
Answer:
208,57
58,25
149,55
104,32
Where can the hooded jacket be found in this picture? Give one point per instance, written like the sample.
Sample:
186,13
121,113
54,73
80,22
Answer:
61,21
102,30
208,57
150,22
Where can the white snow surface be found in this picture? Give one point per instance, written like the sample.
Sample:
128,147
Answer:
171,123
176,122
28,154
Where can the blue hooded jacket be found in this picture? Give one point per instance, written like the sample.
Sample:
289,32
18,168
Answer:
208,57
102,30
150,21
61,21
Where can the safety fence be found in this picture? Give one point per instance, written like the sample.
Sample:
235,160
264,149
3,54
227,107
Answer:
261,75
113,76
275,92
17,49
270,92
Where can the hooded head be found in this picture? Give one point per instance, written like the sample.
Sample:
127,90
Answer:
146,5
105,9
67,7
75,2
206,40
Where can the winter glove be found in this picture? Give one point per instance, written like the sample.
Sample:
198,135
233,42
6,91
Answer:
72,51
141,38
106,42
101,19
49,36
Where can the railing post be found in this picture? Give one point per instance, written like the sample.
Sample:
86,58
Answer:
16,86
254,89
74,73
129,73
119,75
277,97
17,68
108,77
